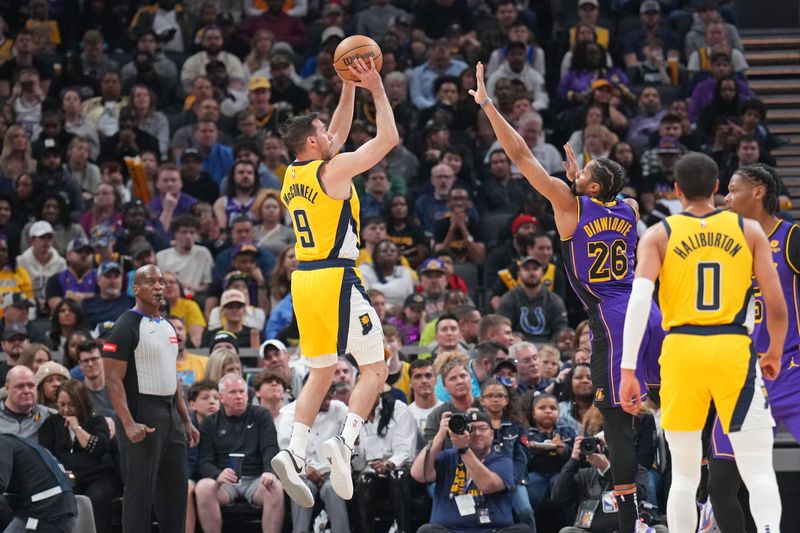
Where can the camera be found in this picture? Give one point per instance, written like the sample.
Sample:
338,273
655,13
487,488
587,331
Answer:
458,423
26,86
590,445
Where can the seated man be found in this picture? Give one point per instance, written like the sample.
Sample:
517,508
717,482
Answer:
330,418
19,413
473,483
235,462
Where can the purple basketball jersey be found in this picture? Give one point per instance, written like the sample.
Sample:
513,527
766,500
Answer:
599,256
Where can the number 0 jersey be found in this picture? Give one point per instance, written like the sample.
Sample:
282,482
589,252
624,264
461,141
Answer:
599,255
325,228
706,277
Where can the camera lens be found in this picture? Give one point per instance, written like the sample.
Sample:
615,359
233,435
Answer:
458,423
589,445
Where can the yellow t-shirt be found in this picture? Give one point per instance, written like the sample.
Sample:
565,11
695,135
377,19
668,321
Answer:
188,311
15,281
404,381
192,368
603,36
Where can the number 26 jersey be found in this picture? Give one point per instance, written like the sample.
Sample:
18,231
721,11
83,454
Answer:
325,228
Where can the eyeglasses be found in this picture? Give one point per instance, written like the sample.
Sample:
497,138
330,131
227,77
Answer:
480,429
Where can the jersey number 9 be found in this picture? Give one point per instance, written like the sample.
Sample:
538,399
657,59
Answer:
303,229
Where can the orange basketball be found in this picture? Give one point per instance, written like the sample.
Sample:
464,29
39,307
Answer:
354,47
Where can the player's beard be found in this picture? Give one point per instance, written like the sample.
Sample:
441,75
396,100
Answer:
573,187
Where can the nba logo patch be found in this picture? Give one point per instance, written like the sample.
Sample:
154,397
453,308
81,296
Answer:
366,323
598,395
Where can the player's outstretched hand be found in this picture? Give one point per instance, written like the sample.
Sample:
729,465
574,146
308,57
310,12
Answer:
479,93
571,164
367,74
770,366
629,393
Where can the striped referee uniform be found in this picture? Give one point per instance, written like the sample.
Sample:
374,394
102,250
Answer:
153,470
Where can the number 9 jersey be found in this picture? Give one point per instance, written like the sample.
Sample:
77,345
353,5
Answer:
325,228
706,278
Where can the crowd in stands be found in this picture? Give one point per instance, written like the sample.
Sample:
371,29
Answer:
147,132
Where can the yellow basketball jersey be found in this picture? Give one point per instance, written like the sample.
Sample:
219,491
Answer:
325,228
706,277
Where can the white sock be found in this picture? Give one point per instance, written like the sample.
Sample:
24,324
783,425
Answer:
299,439
351,428
753,450
687,452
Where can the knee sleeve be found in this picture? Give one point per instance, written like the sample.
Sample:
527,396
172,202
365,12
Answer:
753,450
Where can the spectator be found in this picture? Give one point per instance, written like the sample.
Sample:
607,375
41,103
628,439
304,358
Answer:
53,178
48,378
257,60
203,107
41,261
457,227
505,371
404,232
389,439
470,468
17,314
76,123
171,202
217,157
433,280
432,205
457,382
94,59
645,123
705,91
482,361
14,278
24,57
240,193
530,127
522,226
539,315
94,377
284,26
376,191
163,67
409,320
331,416
597,143
26,99
223,434
16,158
34,356
588,67
753,114
651,28
109,300
517,31
233,304
386,274
106,209
211,45
589,14
502,192
724,103
495,328
129,140
190,262
271,388
185,310
148,119
529,367
20,414
623,153
469,319
700,60
254,315
190,367
272,234
516,67
103,111
245,257
196,182
584,33
77,280
268,116
422,379
439,63
67,318
79,438
273,356
707,13
284,90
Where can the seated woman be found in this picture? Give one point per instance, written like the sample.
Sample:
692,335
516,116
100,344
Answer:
588,66
597,142
232,319
387,274
595,114
80,440
254,317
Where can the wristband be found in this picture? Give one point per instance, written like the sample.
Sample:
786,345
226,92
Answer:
486,102
462,451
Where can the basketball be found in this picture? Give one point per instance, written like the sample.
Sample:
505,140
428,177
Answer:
352,48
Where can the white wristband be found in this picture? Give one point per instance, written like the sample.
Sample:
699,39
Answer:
636,318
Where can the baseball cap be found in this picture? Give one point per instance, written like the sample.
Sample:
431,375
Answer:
399,20
191,152
50,368
275,343
435,125
101,236
109,266
280,59
331,8
529,259
15,330
649,5
232,296
594,3
597,84
320,86
139,248
331,31
522,219
224,336
415,300
668,145
40,229
505,363
235,275
79,243
17,299
432,265
225,19
478,416
51,145
256,83
246,248
92,37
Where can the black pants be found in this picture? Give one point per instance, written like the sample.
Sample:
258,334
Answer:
516,528
154,470
101,492
618,432
395,487
724,483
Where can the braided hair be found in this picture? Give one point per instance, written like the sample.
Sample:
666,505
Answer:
761,174
610,175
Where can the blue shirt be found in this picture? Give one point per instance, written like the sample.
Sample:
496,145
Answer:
452,480
265,261
99,310
218,162
422,78
185,203
428,209
280,317
443,395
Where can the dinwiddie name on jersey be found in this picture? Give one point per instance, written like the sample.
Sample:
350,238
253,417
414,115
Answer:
300,190
601,224
705,239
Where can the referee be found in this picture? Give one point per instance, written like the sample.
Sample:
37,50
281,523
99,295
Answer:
139,356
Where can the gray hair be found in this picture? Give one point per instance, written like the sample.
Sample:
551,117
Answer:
226,378
518,347
530,116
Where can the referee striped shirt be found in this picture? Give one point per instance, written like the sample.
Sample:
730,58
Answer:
150,347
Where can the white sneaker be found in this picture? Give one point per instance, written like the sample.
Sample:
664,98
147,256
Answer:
288,467
338,455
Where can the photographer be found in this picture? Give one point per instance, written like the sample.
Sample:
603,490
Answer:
473,482
587,492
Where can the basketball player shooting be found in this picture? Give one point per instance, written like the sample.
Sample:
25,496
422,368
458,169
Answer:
333,312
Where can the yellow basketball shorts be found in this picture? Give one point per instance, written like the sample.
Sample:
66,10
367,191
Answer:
701,364
334,314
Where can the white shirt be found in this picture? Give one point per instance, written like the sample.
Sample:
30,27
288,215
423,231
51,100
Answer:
399,444
39,272
421,415
192,269
326,425
254,317
533,81
547,154
165,20
397,287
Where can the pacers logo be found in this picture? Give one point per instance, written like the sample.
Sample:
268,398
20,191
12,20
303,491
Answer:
366,323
